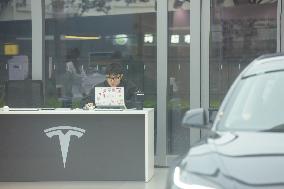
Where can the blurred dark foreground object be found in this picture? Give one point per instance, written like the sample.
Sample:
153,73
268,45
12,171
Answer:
139,100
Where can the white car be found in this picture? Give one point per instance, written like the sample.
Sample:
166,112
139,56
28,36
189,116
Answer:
245,147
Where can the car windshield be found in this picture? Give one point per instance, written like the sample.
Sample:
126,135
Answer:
256,104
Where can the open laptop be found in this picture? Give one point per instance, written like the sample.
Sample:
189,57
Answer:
109,98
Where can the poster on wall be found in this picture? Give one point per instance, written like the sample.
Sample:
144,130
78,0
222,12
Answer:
18,67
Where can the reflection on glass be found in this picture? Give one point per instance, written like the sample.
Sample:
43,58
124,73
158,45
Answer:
16,53
114,31
178,75
240,32
262,101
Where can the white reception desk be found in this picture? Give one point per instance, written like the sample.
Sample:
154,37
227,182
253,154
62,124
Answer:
76,145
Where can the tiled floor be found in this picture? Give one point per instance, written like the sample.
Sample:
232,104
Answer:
157,182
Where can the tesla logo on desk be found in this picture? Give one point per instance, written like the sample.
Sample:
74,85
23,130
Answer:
64,139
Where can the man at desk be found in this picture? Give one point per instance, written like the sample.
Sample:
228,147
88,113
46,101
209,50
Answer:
115,78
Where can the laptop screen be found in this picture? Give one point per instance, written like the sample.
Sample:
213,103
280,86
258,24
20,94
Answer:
109,97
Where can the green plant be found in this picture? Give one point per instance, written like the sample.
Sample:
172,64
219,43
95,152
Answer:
53,103
215,104
149,103
178,103
76,104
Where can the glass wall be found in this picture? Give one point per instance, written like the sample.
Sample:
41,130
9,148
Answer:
16,88
92,36
240,32
178,75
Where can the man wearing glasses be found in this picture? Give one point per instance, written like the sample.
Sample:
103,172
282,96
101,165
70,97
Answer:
115,78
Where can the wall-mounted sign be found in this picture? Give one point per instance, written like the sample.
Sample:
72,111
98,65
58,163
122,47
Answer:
187,38
148,38
175,39
11,49
121,39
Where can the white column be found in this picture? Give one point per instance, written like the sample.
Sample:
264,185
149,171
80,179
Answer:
195,60
205,46
162,60
37,39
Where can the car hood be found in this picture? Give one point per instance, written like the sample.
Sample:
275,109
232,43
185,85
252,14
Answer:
249,159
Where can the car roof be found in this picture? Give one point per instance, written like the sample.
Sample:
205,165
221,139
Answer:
265,64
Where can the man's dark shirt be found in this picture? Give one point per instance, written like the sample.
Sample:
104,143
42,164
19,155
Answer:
129,92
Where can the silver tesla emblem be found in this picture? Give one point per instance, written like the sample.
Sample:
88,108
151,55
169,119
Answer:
64,139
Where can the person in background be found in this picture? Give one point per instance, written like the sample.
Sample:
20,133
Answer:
115,78
75,73
72,63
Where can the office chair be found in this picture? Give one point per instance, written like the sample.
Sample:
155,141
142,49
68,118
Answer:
24,93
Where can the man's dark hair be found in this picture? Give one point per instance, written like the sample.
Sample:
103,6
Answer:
72,54
114,68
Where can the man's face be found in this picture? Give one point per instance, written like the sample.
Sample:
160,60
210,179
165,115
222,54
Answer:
114,79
